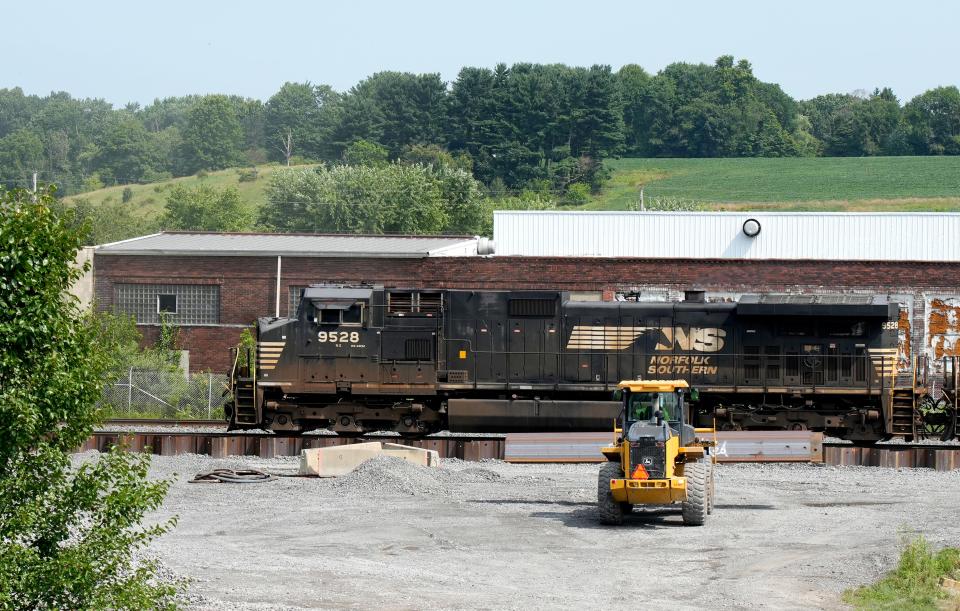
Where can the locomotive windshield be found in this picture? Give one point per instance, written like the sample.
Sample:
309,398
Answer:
323,314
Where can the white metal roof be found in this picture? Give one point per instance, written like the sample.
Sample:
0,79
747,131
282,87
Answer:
836,236
292,245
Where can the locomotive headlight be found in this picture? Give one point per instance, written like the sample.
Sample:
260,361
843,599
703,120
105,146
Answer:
751,228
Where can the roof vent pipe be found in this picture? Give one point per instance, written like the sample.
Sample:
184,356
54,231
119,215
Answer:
486,246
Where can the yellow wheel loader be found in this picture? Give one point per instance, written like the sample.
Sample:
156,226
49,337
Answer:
657,458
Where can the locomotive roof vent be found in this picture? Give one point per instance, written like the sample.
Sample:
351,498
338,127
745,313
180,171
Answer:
695,296
751,228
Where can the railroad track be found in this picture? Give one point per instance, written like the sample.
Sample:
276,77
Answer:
211,437
220,443
942,457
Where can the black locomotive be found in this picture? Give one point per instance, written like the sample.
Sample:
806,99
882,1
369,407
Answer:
364,358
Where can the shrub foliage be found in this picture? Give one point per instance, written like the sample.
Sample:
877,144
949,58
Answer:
68,535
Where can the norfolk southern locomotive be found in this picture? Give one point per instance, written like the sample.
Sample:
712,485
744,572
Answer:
364,358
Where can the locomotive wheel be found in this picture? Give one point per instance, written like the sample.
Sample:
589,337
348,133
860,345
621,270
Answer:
609,511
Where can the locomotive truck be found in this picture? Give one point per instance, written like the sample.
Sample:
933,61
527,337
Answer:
361,358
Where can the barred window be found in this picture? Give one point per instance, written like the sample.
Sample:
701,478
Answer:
295,293
182,304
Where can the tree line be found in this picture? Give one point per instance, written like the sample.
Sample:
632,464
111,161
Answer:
527,126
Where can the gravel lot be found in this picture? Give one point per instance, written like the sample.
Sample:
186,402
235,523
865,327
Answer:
496,535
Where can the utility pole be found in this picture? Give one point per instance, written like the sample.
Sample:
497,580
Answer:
34,186
641,199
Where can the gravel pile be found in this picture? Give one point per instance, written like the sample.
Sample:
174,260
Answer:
393,475
389,474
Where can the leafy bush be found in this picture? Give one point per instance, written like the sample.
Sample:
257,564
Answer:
108,222
577,194
247,175
206,208
365,153
127,194
92,183
395,198
67,535
671,204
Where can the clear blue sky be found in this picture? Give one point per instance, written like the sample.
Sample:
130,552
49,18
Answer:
138,51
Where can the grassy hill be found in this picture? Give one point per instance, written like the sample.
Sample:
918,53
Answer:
848,183
822,183
149,199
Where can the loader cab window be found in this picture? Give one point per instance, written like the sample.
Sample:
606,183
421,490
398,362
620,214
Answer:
644,405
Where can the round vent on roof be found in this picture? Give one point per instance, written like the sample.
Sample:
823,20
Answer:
751,227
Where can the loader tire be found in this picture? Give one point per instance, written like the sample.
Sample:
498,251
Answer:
695,507
609,511
711,485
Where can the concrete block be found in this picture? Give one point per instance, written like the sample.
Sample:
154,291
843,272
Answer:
340,460
419,456
337,460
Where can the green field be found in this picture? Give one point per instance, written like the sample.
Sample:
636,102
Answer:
820,183
149,199
825,184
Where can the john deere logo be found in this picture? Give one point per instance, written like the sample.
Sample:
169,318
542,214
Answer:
699,339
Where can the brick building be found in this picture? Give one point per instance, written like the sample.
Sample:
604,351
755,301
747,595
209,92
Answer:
214,285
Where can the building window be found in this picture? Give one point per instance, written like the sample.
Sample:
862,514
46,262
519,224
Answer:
182,304
295,293
166,304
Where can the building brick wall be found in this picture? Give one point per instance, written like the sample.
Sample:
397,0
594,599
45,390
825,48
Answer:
248,284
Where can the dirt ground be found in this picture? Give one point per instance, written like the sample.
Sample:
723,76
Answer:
495,535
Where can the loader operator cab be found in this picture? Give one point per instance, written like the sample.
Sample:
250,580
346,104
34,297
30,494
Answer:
656,409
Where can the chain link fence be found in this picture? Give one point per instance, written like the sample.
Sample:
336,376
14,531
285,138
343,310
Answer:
166,393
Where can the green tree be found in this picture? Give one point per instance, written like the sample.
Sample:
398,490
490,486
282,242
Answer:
295,121
412,108
350,118
126,152
206,208
932,122
21,154
213,136
363,152
463,198
67,535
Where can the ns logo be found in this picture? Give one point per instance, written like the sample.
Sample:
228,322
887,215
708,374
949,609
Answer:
610,337
700,339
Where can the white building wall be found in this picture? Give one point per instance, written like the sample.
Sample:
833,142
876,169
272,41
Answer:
719,235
